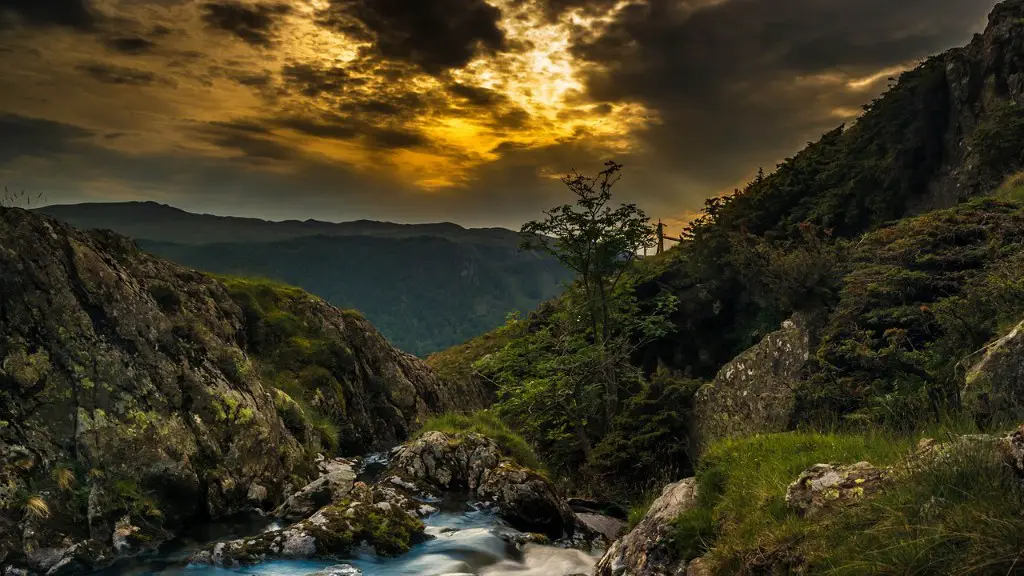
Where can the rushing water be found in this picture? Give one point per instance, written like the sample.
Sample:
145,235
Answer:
464,541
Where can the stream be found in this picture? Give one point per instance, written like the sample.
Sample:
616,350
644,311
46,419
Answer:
462,540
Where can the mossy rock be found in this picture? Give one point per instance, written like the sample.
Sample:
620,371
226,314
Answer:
333,532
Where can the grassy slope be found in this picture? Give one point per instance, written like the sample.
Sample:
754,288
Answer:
962,516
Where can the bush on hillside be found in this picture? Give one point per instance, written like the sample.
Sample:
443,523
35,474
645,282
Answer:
648,445
921,297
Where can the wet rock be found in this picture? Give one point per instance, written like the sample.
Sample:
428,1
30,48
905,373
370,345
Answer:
642,551
330,487
609,528
438,462
339,570
825,486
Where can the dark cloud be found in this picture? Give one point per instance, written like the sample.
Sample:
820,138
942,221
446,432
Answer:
36,137
129,45
112,74
436,35
734,82
344,128
254,24
71,13
252,141
476,95
314,79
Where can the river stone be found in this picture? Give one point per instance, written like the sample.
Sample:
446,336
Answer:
439,462
335,531
642,551
328,488
338,570
825,486
610,528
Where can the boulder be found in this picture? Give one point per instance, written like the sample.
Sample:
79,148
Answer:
754,393
825,486
642,551
330,487
994,387
439,462
609,528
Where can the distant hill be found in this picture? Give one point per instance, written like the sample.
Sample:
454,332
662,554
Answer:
425,286
154,221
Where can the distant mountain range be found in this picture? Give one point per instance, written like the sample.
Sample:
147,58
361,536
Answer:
425,286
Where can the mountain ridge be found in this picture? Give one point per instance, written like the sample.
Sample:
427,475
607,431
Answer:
138,218
425,286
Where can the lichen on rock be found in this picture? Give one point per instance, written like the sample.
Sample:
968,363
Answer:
643,551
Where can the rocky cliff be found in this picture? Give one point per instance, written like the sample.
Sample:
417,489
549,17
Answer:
137,395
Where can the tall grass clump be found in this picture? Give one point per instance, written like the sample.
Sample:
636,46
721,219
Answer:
961,513
1012,188
487,424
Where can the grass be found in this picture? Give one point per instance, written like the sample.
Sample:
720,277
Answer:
1012,188
638,510
964,514
742,487
487,424
457,361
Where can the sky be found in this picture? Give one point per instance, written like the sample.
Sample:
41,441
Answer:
465,111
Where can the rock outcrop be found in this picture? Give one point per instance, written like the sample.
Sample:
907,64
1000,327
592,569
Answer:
824,486
754,393
439,462
994,387
334,485
642,551
979,80
134,392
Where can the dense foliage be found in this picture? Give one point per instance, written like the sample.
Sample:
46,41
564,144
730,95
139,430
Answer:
920,297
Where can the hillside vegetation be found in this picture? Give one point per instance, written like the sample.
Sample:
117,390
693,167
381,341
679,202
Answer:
426,287
902,297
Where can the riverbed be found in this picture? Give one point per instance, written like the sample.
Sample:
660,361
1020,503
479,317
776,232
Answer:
463,539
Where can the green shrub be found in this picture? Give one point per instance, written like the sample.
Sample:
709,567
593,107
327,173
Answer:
649,442
487,424
922,295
